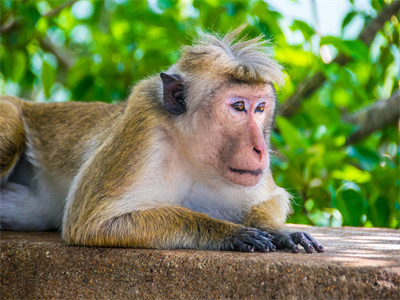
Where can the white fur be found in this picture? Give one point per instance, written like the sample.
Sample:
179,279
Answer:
165,183
173,181
39,206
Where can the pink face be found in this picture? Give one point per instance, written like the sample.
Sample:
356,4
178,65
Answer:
234,143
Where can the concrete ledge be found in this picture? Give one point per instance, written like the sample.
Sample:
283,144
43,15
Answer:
358,263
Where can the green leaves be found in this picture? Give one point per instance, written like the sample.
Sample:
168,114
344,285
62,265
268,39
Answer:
350,202
367,158
305,29
18,58
355,49
352,173
349,17
48,76
97,50
291,136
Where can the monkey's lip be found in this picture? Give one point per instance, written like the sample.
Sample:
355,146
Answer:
257,172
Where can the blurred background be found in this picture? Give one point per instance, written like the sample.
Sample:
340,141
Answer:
336,143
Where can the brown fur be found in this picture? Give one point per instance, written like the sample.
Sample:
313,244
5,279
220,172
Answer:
266,216
12,137
107,155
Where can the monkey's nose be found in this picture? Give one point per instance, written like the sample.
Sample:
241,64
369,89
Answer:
259,152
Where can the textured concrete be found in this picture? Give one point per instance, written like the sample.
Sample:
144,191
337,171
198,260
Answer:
357,264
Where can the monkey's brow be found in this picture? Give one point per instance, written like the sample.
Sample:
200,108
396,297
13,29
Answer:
239,83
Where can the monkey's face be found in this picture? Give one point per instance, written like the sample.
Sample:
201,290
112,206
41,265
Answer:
233,139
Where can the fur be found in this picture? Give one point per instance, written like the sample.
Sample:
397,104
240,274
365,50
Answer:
134,175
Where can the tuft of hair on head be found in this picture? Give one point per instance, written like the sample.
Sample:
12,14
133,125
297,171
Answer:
248,60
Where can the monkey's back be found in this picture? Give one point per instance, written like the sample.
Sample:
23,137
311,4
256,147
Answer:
54,136
60,132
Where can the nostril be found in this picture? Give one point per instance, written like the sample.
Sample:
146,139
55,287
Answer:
257,151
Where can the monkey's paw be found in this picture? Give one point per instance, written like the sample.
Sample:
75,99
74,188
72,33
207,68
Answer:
248,240
292,240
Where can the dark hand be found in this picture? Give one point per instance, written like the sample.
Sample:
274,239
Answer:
247,240
291,241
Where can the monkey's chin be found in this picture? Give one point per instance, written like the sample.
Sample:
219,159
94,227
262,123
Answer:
244,177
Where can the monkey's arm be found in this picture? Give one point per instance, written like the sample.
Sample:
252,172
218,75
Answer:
96,215
169,228
269,217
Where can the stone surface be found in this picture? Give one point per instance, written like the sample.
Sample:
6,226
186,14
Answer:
357,264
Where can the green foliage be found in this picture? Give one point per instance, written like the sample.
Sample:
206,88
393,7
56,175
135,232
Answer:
96,50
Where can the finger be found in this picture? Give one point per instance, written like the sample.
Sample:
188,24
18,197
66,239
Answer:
271,246
299,238
256,244
256,233
253,234
262,247
316,244
291,245
268,243
266,234
307,245
260,232
240,246
278,240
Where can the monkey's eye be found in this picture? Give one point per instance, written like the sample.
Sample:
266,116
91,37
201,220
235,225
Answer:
260,107
239,106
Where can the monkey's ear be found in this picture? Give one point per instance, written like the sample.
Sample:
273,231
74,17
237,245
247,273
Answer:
174,97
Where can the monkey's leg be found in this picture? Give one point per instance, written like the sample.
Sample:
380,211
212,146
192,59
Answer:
268,217
169,228
12,135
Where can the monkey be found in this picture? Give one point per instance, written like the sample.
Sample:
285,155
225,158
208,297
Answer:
183,163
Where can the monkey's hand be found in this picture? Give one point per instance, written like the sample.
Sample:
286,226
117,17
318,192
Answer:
245,239
292,240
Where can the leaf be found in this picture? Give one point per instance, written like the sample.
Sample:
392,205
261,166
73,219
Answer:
356,49
379,212
348,19
350,203
305,29
83,86
18,65
48,77
290,134
119,28
352,173
294,56
367,158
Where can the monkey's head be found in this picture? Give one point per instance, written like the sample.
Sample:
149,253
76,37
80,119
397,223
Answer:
222,94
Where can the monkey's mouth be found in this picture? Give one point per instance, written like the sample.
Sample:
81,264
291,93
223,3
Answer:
251,172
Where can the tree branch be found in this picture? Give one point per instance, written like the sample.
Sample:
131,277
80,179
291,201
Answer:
65,60
10,25
58,9
377,116
14,24
369,32
308,86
